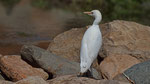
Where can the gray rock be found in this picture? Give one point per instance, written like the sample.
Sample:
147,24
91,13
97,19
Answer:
139,73
51,63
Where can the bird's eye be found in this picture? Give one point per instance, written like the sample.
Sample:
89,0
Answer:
92,12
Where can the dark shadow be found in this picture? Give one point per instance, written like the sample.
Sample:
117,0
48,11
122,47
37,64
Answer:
5,77
99,59
86,74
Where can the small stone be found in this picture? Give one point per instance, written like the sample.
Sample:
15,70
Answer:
116,64
16,69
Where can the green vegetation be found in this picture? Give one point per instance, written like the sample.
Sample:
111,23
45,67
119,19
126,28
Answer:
132,10
41,3
23,34
9,4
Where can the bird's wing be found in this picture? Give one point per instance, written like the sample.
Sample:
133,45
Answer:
84,53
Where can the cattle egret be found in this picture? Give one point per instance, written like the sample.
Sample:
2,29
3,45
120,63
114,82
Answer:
91,43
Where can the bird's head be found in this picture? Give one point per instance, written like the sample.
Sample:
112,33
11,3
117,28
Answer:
95,13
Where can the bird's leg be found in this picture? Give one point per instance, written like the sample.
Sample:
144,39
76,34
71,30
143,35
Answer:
91,72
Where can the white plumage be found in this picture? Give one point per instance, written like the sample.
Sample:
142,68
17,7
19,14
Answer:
91,43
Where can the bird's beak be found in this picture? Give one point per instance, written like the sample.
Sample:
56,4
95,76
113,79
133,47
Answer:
89,13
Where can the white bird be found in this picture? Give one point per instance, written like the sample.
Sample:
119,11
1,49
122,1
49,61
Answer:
91,43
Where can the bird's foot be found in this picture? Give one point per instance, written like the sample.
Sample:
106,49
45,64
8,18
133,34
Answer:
80,75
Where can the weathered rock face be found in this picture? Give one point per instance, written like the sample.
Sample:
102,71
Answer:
139,73
54,64
32,80
68,44
16,69
116,64
125,37
121,77
70,79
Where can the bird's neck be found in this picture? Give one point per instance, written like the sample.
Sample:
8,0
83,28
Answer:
97,20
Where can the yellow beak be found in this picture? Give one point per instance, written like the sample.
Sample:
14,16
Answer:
87,12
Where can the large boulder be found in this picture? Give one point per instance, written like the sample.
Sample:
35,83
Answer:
70,79
139,73
116,64
54,64
124,37
68,44
17,69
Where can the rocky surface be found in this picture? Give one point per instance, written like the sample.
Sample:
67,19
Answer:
28,80
124,37
68,44
139,73
125,45
121,77
16,69
119,37
6,82
54,64
116,64
32,80
70,79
